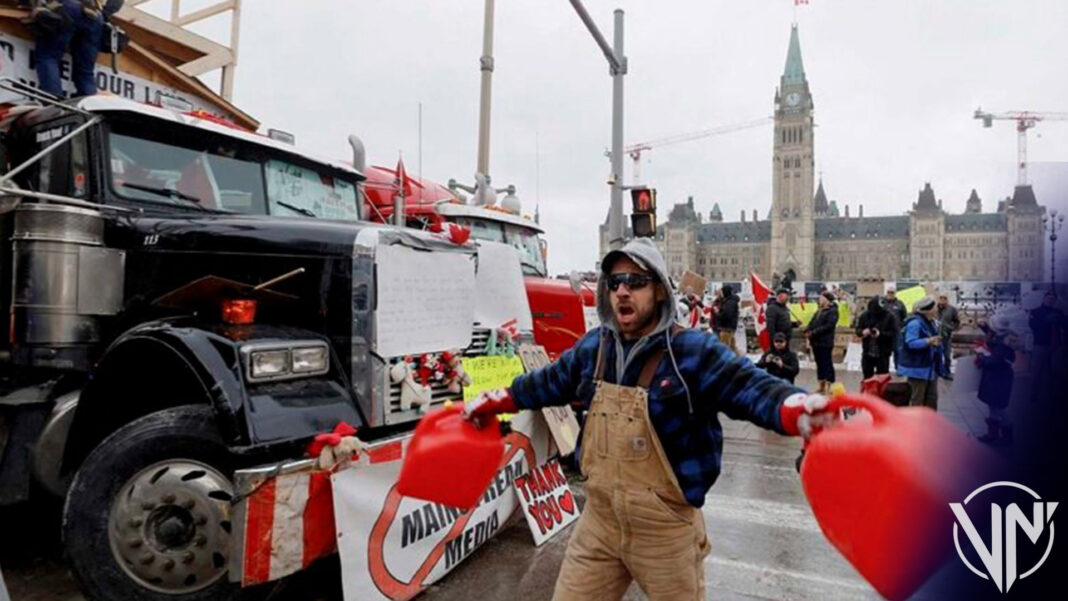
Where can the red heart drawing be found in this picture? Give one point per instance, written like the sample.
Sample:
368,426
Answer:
567,502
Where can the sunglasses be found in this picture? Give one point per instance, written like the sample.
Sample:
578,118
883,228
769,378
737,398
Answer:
633,281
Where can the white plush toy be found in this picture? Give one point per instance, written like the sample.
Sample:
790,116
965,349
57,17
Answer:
412,393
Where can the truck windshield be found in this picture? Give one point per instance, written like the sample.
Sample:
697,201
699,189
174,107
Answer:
214,178
296,190
527,242
224,175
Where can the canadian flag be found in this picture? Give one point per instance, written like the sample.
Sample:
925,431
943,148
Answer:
760,295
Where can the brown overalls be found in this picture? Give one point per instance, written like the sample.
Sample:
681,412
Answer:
636,523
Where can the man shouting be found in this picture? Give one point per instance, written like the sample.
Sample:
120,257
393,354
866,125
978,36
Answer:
651,444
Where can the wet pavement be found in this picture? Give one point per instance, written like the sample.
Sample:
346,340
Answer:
766,544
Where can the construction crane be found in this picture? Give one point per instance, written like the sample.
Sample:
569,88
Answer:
635,151
1025,120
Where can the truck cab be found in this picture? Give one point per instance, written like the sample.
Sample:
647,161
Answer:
188,298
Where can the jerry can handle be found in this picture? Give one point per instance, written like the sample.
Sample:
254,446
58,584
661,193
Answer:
880,410
437,419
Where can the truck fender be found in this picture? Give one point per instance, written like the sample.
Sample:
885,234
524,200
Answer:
153,367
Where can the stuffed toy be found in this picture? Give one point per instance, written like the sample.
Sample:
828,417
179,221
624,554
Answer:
334,448
504,341
411,392
430,369
455,376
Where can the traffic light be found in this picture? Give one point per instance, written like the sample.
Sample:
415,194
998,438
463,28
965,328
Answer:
643,212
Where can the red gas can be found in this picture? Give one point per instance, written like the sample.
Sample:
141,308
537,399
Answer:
450,460
880,489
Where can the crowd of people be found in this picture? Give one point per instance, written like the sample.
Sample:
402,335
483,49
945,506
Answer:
916,343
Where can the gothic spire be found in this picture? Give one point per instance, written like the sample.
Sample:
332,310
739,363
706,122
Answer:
794,73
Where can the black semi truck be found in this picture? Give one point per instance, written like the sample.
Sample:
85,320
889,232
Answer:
184,298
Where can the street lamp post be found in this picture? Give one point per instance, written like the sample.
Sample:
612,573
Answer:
617,64
1052,223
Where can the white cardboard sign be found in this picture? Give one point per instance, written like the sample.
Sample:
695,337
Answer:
425,300
547,501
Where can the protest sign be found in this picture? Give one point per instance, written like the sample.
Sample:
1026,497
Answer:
490,373
394,547
909,296
546,500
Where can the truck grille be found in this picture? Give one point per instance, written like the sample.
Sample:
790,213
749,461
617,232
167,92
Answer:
439,394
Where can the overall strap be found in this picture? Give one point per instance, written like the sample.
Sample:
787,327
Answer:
649,369
598,373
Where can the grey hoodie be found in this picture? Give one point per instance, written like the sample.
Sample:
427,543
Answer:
643,252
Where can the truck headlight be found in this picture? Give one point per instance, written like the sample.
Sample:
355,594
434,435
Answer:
268,364
310,359
283,361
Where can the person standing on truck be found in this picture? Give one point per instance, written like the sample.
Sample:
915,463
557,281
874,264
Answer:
651,445
79,25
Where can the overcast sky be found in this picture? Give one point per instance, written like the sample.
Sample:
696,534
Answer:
894,84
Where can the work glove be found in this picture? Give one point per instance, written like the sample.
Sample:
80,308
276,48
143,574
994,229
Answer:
490,402
804,414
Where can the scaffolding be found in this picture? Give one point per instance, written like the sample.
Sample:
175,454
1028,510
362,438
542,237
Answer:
212,54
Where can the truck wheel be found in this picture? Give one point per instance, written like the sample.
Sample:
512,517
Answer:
147,517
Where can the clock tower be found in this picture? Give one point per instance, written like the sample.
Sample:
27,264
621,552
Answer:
793,168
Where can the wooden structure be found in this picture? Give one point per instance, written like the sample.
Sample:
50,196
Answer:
163,53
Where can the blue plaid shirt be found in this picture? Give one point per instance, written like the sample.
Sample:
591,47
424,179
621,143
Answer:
718,381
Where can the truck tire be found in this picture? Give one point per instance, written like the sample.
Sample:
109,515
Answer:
147,517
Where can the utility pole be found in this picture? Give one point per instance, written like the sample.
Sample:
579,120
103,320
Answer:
617,66
486,97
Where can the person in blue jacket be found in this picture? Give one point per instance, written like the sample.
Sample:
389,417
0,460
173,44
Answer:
651,445
920,358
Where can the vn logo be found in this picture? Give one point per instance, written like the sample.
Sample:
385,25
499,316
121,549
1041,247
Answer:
998,559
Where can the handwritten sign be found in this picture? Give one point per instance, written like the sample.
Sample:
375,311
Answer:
502,296
546,500
425,300
490,373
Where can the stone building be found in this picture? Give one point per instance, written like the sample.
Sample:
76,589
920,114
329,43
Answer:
807,235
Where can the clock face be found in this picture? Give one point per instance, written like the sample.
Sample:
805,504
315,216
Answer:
793,99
